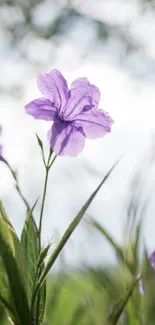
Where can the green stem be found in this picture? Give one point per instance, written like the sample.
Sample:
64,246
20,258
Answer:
47,166
43,200
44,193
52,162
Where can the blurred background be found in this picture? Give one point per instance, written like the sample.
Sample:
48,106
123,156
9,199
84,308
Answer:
112,43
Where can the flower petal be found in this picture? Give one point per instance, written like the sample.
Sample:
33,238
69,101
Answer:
65,139
53,86
42,109
82,95
95,123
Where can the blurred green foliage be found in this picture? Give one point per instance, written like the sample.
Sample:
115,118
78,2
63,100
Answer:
101,295
82,298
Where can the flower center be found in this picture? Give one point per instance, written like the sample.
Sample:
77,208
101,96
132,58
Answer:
62,117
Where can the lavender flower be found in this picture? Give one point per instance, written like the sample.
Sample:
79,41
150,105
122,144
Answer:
152,262
75,112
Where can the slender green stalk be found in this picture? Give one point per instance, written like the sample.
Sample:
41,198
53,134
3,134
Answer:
47,166
52,162
43,200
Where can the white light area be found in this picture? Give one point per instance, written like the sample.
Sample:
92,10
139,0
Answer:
46,12
14,73
106,10
67,52
81,33
40,50
142,27
10,16
138,23
72,180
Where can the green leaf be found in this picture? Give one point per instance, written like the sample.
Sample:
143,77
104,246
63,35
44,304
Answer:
30,248
149,291
69,232
41,297
119,307
5,293
42,302
2,313
42,148
34,264
16,283
137,241
11,239
39,142
11,255
43,255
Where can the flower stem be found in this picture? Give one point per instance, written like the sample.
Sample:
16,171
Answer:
47,166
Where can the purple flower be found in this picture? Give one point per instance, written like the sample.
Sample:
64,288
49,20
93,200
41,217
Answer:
75,112
152,262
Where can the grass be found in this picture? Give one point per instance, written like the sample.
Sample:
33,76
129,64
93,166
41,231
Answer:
83,298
